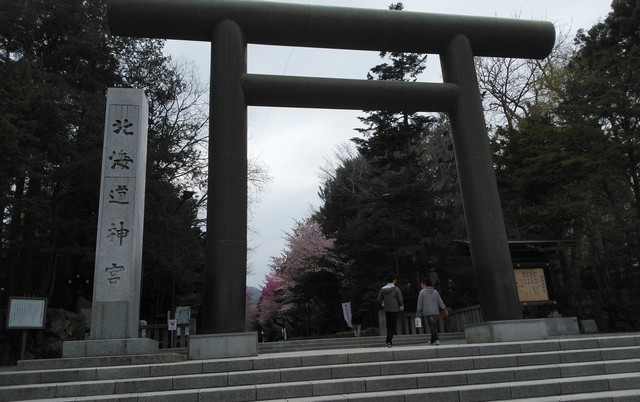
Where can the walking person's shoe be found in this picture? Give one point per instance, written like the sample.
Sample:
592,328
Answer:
437,342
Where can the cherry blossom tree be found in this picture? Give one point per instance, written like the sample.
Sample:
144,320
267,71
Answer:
302,290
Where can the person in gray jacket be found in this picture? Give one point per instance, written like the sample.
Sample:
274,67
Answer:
390,297
429,304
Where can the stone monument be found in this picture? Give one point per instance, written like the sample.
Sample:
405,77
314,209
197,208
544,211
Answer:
118,265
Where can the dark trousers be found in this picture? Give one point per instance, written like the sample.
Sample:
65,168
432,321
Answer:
432,320
391,318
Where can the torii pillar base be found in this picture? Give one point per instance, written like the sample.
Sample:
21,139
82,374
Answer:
222,346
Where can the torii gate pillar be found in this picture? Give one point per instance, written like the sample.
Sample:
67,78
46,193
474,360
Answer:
478,187
225,278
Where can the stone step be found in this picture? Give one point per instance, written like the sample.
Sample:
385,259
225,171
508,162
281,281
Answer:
580,362
628,395
624,385
602,388
312,374
437,358
100,361
351,343
388,374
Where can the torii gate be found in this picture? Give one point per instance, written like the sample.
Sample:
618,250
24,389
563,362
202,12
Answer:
230,24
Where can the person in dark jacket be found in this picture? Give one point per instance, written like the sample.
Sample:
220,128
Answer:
429,304
390,297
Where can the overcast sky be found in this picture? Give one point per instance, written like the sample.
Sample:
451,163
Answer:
294,144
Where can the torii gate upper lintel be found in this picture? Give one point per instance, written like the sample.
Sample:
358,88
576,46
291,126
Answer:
230,24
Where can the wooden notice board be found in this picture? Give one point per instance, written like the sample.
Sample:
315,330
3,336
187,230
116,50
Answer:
531,284
27,313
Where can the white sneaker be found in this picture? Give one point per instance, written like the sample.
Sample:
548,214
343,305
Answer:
437,342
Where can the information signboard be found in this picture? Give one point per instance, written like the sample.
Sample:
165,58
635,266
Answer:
531,284
27,312
183,315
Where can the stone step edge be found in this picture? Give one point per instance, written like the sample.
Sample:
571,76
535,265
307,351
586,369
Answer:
411,355
599,380
371,338
597,396
417,339
518,374
567,387
100,361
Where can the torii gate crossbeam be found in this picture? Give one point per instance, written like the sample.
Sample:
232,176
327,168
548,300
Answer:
230,24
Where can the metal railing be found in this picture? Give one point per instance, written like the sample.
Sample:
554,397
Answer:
456,321
461,317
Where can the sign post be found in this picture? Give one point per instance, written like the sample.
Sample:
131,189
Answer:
26,313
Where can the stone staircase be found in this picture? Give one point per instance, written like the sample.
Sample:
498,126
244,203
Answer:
599,367
352,342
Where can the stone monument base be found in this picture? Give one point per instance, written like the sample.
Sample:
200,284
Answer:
220,346
520,330
109,347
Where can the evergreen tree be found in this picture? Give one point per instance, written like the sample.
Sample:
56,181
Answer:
600,105
56,64
57,60
570,169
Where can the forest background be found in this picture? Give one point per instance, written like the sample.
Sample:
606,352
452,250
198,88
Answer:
564,132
